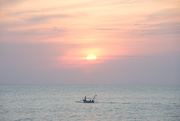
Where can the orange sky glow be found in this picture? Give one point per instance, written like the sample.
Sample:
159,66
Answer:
69,31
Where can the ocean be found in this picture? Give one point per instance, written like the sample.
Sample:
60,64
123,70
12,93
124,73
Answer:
113,103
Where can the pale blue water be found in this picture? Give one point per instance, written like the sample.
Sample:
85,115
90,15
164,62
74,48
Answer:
115,103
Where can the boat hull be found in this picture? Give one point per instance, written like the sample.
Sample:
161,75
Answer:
88,101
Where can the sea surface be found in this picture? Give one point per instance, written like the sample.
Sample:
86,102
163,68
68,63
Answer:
113,103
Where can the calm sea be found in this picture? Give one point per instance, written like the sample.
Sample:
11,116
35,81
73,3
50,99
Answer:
114,103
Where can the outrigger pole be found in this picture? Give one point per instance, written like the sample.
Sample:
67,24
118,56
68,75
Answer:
94,97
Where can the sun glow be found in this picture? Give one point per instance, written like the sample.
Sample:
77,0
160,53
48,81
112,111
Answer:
91,57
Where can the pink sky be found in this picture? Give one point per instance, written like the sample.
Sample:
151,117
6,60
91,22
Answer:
135,41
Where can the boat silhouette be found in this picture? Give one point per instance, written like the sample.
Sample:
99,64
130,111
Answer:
85,100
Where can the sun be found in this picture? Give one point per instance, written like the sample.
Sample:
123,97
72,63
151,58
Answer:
91,57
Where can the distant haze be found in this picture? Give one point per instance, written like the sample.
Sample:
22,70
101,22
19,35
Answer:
47,42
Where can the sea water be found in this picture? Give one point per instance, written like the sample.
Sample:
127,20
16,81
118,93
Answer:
113,103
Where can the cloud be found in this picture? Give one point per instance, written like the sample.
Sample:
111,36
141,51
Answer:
30,35
163,28
160,32
163,15
23,12
106,29
162,22
58,29
42,18
9,3
27,20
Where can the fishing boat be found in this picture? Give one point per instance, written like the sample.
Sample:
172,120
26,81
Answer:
85,100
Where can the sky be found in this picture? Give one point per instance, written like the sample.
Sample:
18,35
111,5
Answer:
48,42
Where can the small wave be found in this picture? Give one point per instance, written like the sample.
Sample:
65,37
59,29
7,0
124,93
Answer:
110,102
4,111
25,119
126,103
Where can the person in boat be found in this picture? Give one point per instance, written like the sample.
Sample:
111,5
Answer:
84,98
